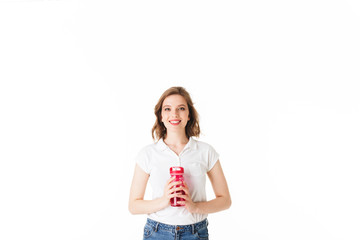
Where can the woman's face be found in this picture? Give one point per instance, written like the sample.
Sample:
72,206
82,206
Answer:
175,113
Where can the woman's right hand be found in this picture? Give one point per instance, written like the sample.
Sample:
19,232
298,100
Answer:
170,191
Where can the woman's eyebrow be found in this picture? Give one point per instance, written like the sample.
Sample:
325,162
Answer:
181,105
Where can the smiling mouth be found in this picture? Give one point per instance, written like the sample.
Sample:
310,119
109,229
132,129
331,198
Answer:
177,122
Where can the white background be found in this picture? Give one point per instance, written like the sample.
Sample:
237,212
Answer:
275,83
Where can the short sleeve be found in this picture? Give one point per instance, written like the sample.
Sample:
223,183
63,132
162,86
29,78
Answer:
213,157
142,159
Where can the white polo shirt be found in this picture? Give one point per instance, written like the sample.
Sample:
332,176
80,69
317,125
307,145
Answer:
197,158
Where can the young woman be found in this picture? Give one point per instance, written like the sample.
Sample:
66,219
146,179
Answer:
176,125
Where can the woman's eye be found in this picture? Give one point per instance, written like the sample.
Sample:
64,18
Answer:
182,108
166,109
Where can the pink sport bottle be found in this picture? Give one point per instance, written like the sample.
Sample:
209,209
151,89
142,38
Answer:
178,172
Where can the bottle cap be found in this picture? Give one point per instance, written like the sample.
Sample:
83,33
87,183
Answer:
177,170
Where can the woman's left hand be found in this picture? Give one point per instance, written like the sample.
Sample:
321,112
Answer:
188,203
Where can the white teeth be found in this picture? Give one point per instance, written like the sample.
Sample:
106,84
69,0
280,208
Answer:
174,121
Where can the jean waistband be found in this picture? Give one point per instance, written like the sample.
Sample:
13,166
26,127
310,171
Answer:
179,228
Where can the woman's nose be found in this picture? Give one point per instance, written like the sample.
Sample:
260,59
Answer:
174,113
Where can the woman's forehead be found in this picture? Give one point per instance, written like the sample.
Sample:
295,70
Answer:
174,100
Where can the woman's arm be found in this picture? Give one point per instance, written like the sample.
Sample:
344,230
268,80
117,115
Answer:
222,199
137,204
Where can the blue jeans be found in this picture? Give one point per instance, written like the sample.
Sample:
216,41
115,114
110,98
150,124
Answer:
161,231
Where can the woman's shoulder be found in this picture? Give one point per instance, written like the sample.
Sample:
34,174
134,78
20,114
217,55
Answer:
203,145
151,147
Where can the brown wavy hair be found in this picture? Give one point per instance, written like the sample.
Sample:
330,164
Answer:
192,127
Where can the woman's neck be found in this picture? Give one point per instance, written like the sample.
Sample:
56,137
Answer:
176,139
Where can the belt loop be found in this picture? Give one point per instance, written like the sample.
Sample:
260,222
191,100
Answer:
193,228
156,226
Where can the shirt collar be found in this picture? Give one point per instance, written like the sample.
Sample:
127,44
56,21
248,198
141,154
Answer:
161,145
